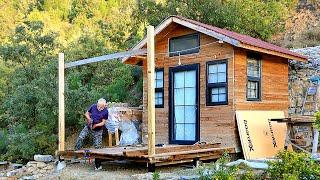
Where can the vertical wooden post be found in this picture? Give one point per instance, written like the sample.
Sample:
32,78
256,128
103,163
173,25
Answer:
151,92
61,102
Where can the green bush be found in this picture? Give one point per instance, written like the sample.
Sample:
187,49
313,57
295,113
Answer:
218,170
292,165
3,141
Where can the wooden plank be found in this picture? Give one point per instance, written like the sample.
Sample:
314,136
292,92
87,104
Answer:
116,136
61,102
151,93
106,57
193,152
110,139
159,150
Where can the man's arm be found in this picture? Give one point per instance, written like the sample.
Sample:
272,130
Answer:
87,115
102,123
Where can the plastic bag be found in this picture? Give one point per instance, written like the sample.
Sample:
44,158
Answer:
129,134
113,120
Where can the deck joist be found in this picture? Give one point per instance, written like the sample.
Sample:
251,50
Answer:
171,154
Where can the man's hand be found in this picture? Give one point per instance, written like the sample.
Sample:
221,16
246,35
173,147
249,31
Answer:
99,124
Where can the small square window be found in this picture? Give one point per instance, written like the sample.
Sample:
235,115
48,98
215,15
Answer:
218,94
217,73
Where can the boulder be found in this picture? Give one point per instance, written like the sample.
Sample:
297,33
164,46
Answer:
43,158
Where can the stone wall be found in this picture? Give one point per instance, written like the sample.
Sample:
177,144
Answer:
299,74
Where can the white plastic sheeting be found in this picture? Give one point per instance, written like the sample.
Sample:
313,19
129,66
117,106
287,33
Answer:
129,134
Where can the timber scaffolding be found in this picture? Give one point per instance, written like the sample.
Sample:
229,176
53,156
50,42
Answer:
152,155
168,155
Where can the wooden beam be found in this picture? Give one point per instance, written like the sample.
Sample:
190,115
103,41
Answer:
61,102
166,149
106,57
151,104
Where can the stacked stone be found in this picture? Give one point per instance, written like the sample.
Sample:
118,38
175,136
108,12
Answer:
299,74
40,168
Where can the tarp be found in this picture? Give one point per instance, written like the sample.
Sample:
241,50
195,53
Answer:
260,137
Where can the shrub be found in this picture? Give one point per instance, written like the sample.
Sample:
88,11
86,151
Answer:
292,165
155,175
218,170
3,141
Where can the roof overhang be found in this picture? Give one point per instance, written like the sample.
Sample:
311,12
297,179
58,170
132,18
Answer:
214,34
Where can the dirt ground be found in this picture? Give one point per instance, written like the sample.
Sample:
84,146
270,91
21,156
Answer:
120,170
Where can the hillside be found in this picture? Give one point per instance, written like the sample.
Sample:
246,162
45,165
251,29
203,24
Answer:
302,28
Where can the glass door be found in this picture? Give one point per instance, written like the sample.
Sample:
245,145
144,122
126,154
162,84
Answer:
184,105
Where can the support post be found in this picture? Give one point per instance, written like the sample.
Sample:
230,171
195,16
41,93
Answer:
151,92
61,102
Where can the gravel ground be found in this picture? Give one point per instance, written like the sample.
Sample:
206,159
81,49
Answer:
119,170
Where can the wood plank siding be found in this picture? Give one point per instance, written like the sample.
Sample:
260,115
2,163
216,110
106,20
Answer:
217,123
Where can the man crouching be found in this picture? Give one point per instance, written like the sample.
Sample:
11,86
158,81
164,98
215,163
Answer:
96,117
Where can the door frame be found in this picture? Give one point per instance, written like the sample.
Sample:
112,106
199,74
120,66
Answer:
172,70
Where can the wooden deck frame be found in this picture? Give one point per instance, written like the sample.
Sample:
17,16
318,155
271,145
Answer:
151,111
172,154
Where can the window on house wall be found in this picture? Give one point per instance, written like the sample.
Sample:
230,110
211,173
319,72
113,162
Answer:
183,45
253,77
159,88
217,85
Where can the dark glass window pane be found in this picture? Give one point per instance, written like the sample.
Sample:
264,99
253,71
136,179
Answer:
184,45
253,67
253,90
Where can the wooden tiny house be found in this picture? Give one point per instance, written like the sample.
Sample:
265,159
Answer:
204,74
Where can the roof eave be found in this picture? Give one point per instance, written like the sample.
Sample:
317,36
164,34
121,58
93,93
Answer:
298,57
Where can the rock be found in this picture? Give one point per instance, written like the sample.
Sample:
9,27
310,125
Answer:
2,175
11,173
61,165
41,165
254,165
32,164
17,166
27,177
194,177
36,164
43,158
31,170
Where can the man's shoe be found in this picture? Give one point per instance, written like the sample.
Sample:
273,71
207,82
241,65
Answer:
98,168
